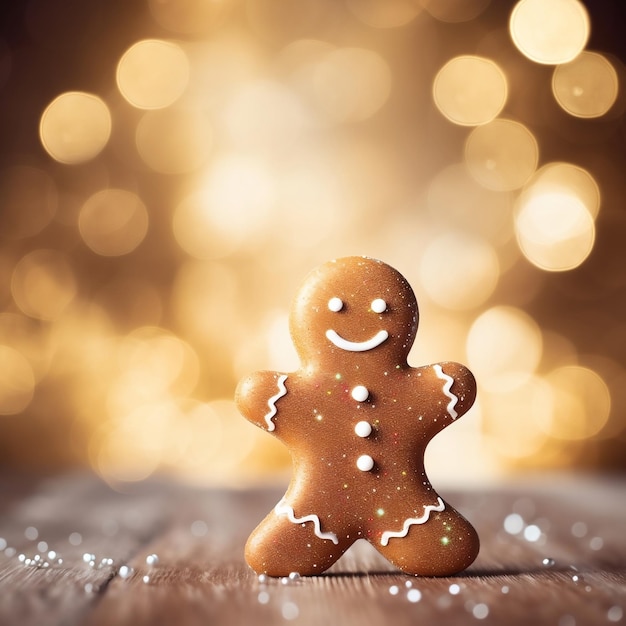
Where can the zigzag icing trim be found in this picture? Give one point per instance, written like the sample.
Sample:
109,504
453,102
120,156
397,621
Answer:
271,403
282,508
446,390
440,506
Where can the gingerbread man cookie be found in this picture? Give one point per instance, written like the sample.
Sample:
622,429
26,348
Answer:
356,419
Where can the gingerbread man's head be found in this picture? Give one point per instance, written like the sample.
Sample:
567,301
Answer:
354,310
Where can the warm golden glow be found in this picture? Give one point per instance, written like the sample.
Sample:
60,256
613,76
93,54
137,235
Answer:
470,90
75,127
277,20
264,116
463,279
568,179
153,74
174,141
501,155
132,448
17,381
24,335
456,199
43,284
312,203
582,403
555,230
231,210
190,16
504,347
550,32
166,182
214,443
351,84
384,13
204,295
455,10
587,86
268,345
113,222
512,418
29,200
152,364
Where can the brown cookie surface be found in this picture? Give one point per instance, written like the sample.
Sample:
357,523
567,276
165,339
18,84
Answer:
356,419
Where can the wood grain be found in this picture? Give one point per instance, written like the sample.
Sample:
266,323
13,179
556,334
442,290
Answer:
201,578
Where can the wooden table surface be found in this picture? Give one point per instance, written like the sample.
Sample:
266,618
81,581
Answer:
74,551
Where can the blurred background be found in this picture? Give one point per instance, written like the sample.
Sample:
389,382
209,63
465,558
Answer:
170,170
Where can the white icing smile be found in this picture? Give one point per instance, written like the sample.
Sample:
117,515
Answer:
356,346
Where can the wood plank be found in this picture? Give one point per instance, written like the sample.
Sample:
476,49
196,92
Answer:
201,577
73,516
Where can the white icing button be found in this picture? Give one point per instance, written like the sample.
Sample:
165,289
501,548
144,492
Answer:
363,429
360,393
365,463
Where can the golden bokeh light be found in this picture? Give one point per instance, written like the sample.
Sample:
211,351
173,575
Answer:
463,280
113,222
167,181
152,362
340,84
215,444
280,349
133,447
351,84
501,155
233,208
440,333
81,344
43,284
75,127
555,230
300,58
455,10
190,17
132,301
204,295
456,199
25,335
268,345
264,116
220,67
313,203
550,32
470,90
504,348
384,13
153,73
282,20
17,381
29,200
564,178
587,86
172,141
582,404
511,418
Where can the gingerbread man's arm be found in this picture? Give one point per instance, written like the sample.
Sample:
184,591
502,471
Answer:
258,396
453,389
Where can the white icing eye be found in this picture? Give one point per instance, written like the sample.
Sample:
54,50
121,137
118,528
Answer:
379,305
335,304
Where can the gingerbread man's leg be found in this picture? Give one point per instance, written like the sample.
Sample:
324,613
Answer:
283,543
442,546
